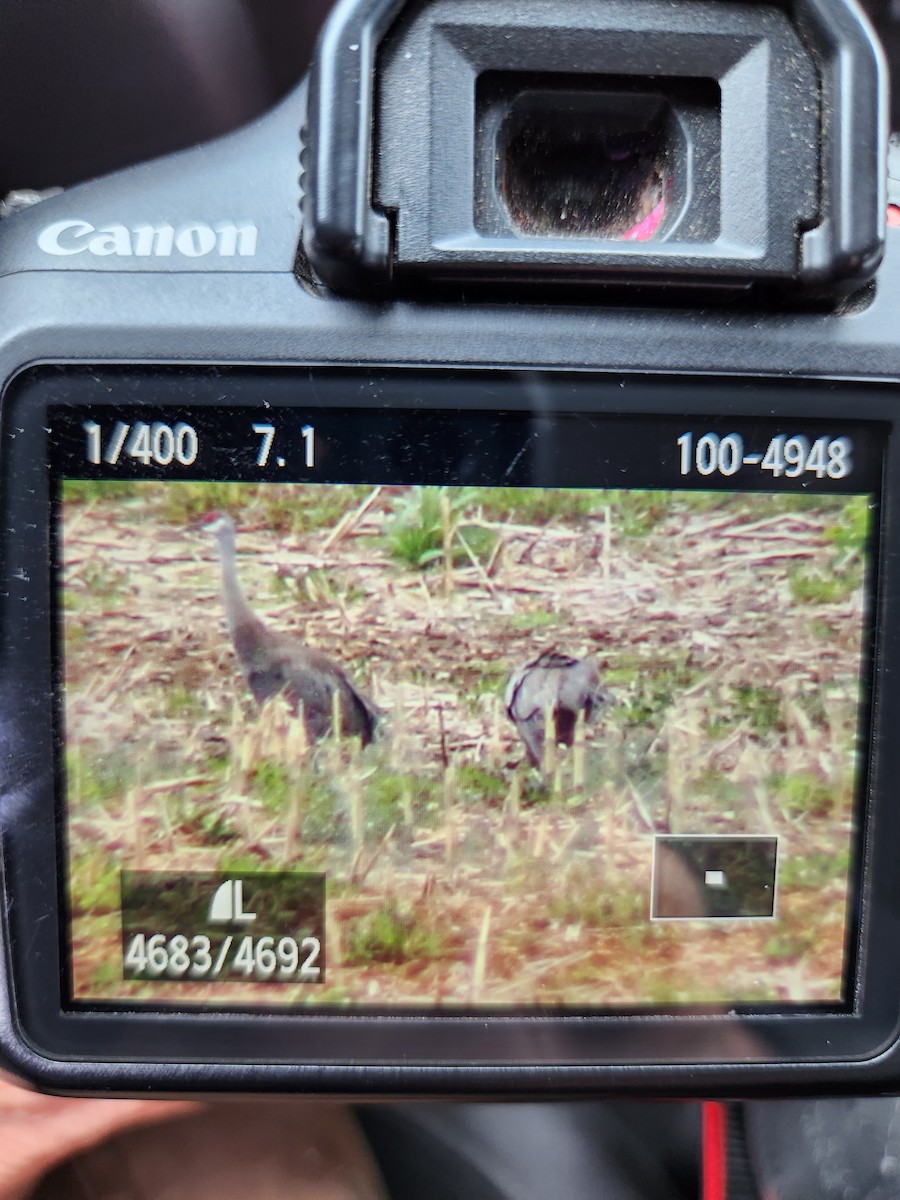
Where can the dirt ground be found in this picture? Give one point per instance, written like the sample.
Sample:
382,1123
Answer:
728,632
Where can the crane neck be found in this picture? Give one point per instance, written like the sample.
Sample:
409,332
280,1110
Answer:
237,611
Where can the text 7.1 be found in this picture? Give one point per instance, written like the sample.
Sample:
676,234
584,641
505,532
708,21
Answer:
266,434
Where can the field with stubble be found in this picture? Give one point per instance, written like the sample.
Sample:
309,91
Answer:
728,629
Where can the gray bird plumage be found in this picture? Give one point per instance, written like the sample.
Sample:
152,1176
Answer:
558,685
276,663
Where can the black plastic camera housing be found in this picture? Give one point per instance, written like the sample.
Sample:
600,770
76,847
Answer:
599,246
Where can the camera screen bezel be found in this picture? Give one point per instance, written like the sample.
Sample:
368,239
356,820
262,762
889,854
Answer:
328,1043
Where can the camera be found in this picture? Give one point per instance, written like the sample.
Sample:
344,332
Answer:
448,565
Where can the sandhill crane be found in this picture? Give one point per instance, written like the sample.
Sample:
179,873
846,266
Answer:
277,663
553,687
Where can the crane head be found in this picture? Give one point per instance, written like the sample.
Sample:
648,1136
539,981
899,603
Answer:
215,523
220,525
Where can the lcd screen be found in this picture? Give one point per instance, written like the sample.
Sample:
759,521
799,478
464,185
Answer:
402,741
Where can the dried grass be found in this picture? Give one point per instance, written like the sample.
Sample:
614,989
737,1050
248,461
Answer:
733,714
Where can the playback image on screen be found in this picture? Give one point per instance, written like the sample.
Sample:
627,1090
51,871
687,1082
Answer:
443,747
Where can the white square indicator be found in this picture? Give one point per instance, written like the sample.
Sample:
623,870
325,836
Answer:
715,879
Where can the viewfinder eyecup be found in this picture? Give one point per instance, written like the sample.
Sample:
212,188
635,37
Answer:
601,142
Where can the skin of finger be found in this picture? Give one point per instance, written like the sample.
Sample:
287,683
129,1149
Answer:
38,1132
264,1148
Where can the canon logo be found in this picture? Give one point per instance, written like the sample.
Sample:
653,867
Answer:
192,240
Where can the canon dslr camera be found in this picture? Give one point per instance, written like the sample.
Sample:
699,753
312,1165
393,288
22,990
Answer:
448,559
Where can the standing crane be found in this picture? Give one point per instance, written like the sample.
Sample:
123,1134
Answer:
278,664
554,688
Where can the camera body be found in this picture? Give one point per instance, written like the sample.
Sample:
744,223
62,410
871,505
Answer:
715,330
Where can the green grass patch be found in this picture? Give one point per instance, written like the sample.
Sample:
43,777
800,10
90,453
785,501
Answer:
391,935
414,532
789,946
585,898
805,795
812,872
535,619
391,798
245,863
816,706
852,530
210,826
283,508
478,674
92,491
537,506
476,783
107,973
333,997
849,535
272,783
94,884
811,586
759,706
299,508
821,630
720,790
98,586
315,589
96,778
655,684
179,700
181,503
422,519
635,514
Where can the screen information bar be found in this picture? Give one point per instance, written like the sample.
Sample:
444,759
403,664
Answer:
342,445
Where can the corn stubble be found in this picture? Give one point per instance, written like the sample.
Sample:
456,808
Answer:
456,874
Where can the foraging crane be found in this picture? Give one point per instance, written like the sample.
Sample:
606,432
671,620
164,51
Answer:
276,663
553,687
